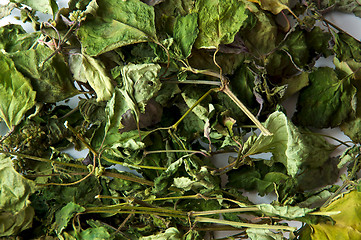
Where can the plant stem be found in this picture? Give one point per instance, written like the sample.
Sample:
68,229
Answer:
194,105
230,210
205,82
244,225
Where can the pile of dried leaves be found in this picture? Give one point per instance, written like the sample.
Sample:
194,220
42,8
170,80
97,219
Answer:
164,86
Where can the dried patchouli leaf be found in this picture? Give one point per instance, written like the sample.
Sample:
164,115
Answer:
347,222
11,224
50,79
327,101
14,188
64,216
5,10
287,212
263,234
118,23
14,38
16,93
185,32
170,233
45,6
90,70
347,6
274,6
219,21
288,145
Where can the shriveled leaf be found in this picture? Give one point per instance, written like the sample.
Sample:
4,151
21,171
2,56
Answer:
98,233
263,234
12,224
185,32
14,38
287,212
219,21
119,23
5,10
346,6
169,234
289,146
51,79
274,6
45,6
346,47
65,215
14,188
16,93
327,101
347,221
90,70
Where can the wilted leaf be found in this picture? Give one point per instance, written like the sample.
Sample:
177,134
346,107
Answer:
51,79
14,38
64,216
45,6
335,100
274,6
14,188
119,23
287,212
347,222
263,234
11,224
16,93
90,70
289,146
219,21
169,234
98,233
185,32
5,10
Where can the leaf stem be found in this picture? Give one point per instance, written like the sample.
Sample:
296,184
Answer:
244,225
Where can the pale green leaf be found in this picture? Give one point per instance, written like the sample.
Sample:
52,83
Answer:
119,23
289,146
64,216
45,6
14,188
169,234
288,212
16,93
91,70
219,21
99,233
5,10
263,234
274,6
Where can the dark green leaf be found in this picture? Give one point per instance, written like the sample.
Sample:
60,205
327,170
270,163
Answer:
327,101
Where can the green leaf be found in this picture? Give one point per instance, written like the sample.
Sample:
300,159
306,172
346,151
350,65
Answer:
263,234
64,215
14,38
169,234
347,48
327,101
347,221
346,6
16,93
118,23
11,224
162,182
288,145
51,80
14,188
185,32
90,70
287,212
219,21
274,6
45,6
98,233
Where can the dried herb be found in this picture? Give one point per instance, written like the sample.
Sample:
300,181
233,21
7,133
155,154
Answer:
163,88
